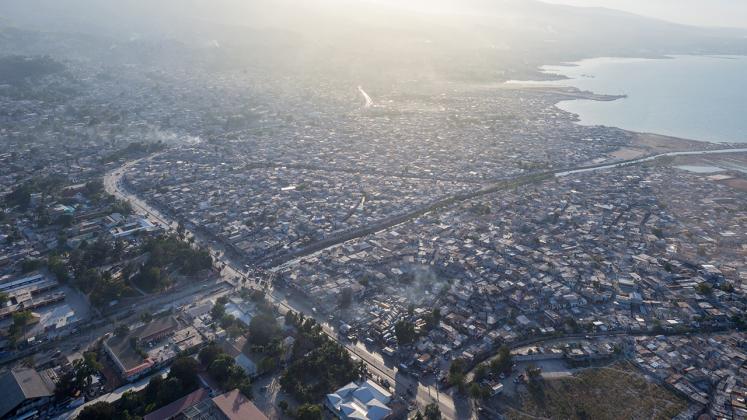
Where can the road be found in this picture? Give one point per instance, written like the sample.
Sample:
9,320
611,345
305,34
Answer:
369,101
566,172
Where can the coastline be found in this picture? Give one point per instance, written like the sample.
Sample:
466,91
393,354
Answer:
649,137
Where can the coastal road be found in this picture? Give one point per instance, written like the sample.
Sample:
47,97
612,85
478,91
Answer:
566,172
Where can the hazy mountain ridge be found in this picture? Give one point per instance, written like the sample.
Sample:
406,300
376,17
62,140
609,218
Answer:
481,39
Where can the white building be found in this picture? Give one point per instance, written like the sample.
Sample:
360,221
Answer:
365,400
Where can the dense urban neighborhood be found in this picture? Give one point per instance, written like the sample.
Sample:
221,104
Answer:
183,244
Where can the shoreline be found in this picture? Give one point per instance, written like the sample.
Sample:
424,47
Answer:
557,83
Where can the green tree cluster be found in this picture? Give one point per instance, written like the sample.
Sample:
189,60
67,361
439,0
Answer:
502,362
318,364
224,370
405,332
79,377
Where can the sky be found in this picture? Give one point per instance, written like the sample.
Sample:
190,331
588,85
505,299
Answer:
725,13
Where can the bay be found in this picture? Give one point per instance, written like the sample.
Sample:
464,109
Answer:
692,97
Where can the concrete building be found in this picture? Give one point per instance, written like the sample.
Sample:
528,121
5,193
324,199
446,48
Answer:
365,400
24,394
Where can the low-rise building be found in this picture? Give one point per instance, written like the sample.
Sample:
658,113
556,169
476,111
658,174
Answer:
24,394
360,400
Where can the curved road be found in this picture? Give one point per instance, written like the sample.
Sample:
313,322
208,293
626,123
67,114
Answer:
369,101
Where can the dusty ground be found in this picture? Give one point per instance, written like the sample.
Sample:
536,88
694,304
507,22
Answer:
651,144
601,393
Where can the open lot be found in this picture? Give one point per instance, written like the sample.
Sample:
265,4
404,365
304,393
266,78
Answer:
603,393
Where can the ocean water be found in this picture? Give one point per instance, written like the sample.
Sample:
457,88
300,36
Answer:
693,97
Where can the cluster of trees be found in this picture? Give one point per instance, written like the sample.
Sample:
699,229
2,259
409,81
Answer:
431,412
233,326
134,150
535,383
79,378
318,364
309,412
18,328
95,191
224,370
31,264
165,252
91,255
404,330
346,297
181,380
263,329
169,253
102,288
21,195
457,373
502,363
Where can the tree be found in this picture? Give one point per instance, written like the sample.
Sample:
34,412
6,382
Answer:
20,320
405,332
170,391
98,411
3,298
704,289
727,287
283,405
475,391
309,412
66,220
456,373
146,317
533,372
79,378
503,362
209,353
121,330
151,390
262,329
346,297
220,368
436,315
57,267
185,370
29,265
481,371
219,309
432,412
319,365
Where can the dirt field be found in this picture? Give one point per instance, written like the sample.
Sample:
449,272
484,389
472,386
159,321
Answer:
616,392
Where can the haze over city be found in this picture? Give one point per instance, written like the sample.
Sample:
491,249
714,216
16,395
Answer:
373,209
